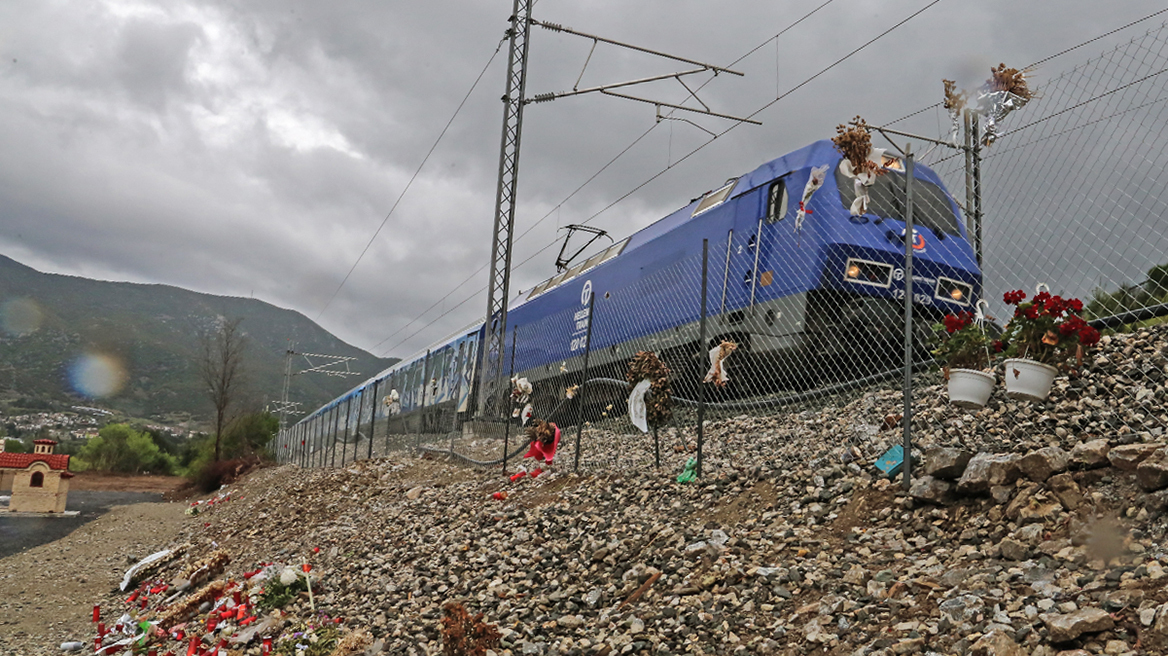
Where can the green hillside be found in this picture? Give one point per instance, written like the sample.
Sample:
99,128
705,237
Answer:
50,322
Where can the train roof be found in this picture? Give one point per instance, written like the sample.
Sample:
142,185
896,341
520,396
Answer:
818,153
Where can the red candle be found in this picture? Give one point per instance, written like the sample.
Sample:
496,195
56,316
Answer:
267,646
100,629
235,596
97,643
96,612
193,647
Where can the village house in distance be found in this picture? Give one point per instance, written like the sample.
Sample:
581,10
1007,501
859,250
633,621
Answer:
39,481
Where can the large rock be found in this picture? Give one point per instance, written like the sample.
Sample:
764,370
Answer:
1022,498
932,490
1090,455
1152,473
1129,456
1042,464
1067,491
946,463
1014,549
962,609
1041,509
996,643
1156,635
1068,626
986,470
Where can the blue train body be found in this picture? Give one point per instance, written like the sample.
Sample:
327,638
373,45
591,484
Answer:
784,295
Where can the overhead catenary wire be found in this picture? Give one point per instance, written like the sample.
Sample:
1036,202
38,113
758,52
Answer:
577,190
702,146
409,184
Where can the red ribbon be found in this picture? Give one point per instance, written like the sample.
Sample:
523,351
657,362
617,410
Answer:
803,208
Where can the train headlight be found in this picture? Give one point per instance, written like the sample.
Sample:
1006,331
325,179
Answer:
865,272
953,291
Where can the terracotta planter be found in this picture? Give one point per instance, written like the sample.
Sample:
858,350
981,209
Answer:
969,388
1028,380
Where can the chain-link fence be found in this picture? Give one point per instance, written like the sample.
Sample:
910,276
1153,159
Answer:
792,319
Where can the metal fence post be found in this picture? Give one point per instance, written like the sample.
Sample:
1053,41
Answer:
702,351
336,431
908,314
584,377
656,448
975,128
348,427
372,419
422,405
318,429
507,418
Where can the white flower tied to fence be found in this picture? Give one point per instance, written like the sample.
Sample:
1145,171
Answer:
863,178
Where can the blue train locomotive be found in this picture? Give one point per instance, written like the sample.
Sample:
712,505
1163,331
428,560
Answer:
809,290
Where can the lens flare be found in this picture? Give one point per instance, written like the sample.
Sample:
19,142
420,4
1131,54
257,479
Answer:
97,375
20,316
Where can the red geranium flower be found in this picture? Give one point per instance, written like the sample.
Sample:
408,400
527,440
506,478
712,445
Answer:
1088,336
1015,297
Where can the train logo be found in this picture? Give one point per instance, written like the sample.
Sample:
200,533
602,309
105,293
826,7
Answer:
586,293
918,241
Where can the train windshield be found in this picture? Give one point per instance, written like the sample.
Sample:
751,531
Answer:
931,207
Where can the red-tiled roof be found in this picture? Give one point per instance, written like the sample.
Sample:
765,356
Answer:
23,460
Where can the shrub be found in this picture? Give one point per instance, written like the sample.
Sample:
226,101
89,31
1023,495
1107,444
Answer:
463,635
119,448
211,475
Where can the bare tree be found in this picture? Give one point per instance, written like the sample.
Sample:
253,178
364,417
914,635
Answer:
221,371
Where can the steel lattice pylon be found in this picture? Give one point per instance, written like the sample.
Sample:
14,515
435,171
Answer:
498,288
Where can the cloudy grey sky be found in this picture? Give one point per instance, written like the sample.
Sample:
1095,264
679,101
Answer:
254,148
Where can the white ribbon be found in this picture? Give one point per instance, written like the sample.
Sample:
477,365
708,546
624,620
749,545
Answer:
818,175
717,373
862,180
638,414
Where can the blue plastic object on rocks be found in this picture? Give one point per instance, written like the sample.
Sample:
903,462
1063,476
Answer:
891,462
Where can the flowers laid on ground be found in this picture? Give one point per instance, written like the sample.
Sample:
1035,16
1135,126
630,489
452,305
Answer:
963,343
1046,329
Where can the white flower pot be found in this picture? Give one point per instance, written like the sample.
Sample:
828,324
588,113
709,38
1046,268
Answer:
1028,380
969,388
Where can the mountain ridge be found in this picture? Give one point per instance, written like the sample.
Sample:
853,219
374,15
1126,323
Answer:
52,326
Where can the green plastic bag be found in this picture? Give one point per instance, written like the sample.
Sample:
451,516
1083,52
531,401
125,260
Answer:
690,473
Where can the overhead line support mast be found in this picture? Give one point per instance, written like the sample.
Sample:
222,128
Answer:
490,367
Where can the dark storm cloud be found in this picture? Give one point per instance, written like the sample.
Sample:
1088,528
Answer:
254,148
